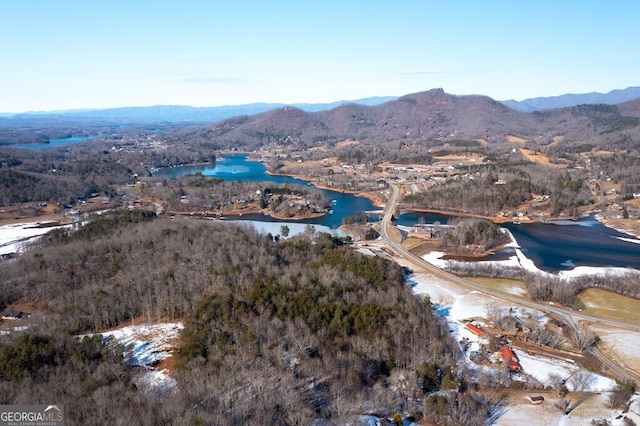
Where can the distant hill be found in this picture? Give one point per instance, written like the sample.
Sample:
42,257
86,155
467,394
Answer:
182,114
419,121
179,113
611,98
431,119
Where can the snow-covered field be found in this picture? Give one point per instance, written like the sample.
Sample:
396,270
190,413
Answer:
14,237
621,344
274,228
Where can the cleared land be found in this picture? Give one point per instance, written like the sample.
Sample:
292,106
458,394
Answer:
607,305
537,157
502,285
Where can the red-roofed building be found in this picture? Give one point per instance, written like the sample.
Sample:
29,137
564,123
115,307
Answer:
475,329
508,356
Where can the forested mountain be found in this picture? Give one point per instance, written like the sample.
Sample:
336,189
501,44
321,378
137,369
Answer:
177,113
431,118
561,101
183,113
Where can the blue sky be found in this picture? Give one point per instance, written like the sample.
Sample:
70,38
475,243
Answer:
63,54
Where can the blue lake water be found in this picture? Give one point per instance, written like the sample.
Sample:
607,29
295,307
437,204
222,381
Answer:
552,246
560,245
236,167
52,143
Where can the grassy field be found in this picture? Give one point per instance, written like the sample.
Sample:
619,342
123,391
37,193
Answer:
502,285
607,305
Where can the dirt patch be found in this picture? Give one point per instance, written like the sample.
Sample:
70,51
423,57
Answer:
375,197
346,143
421,247
20,213
515,139
465,159
627,226
395,234
168,364
539,158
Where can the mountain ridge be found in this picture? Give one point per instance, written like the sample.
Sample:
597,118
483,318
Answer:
570,99
184,113
429,118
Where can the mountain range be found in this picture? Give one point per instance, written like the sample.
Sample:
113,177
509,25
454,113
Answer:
611,98
431,118
179,113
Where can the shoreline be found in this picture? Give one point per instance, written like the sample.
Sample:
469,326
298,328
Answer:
602,220
377,201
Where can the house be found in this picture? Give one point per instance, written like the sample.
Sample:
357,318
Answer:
10,314
536,399
510,358
475,329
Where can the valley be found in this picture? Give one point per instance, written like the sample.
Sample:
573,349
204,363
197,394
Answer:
140,234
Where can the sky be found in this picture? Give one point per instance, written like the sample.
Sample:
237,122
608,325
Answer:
75,54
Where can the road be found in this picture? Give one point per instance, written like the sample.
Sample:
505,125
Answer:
569,317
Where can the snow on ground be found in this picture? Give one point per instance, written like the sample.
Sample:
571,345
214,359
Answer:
365,251
522,261
457,305
580,271
145,346
622,344
454,303
14,237
629,240
517,261
594,407
460,306
548,370
156,382
295,228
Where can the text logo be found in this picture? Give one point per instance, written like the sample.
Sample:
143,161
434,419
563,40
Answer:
31,415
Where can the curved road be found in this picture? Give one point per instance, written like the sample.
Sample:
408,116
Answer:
566,315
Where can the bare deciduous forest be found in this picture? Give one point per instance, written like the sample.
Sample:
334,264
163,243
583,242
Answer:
275,332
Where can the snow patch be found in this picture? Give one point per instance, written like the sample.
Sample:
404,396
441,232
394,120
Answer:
15,237
629,240
146,345
295,228
156,382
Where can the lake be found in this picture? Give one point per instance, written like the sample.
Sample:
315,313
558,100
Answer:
53,143
553,246
560,245
237,167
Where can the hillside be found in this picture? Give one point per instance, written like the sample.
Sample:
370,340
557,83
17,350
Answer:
430,119
281,332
